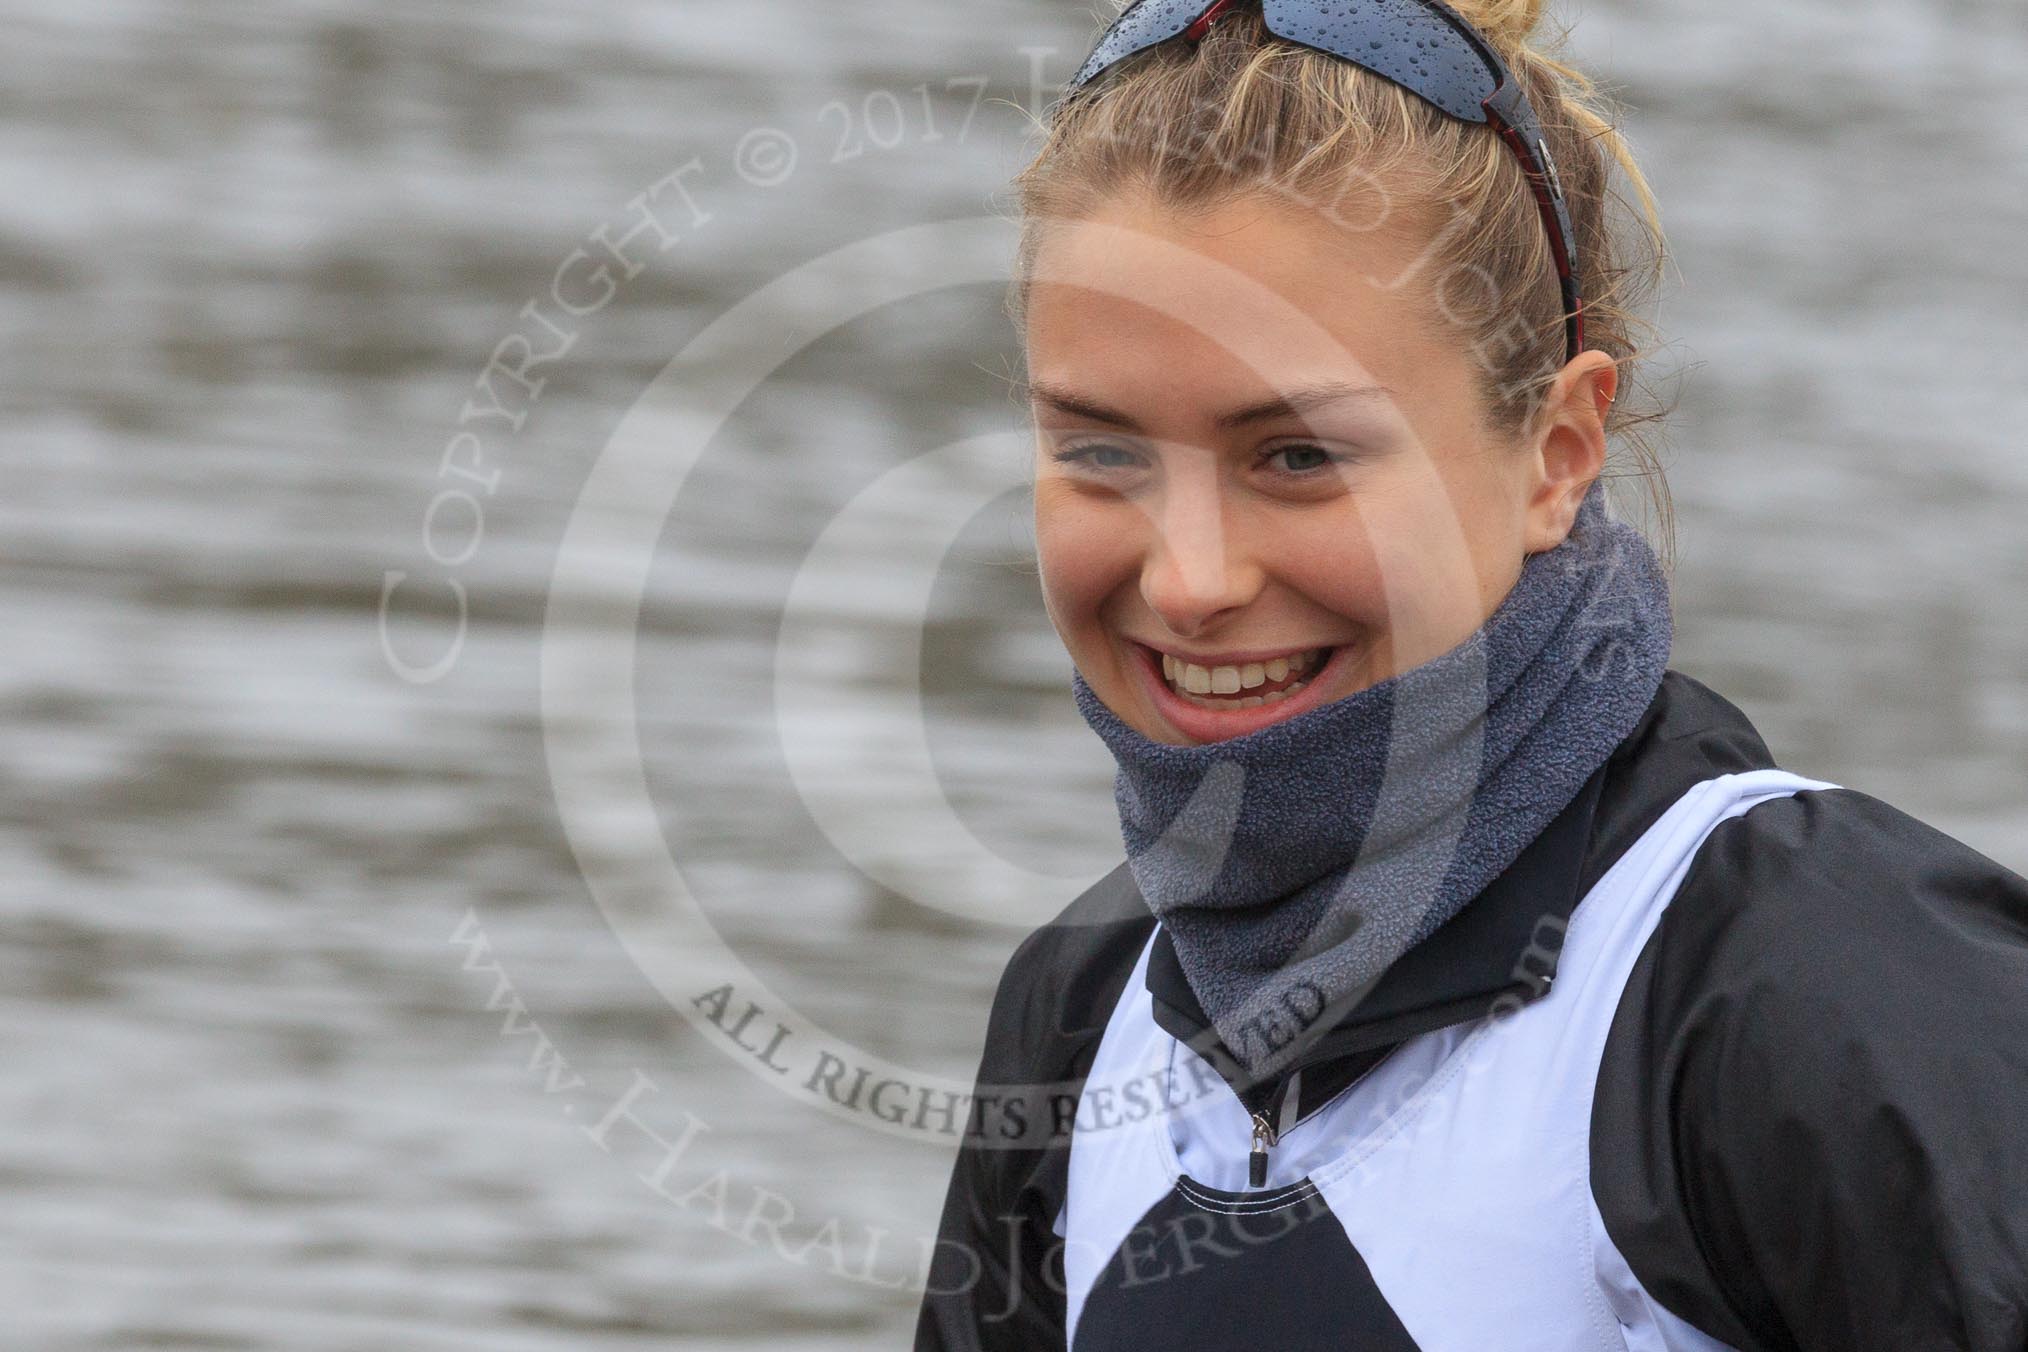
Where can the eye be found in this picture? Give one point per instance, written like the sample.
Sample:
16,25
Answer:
1306,459
1096,456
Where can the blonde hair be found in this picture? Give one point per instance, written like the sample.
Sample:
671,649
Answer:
1247,111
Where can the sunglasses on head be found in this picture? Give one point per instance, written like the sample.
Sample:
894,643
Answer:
1422,45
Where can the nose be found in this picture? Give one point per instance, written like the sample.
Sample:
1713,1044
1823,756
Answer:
1199,569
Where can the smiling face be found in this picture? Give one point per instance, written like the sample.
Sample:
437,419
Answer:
1264,474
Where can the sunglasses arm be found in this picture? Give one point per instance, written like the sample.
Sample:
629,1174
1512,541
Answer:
1508,114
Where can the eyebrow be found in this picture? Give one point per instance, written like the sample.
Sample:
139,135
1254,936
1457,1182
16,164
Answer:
1303,399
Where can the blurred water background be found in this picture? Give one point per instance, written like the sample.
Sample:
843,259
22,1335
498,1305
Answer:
252,260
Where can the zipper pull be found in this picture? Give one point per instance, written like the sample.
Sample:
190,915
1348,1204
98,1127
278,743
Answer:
1266,1133
1256,1163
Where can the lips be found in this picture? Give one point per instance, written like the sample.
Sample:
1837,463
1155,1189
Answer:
1239,697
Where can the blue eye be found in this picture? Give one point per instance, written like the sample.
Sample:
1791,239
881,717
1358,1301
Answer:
1088,452
1306,469
1308,460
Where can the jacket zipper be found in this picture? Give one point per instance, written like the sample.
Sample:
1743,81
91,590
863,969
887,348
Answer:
1264,1135
1283,1101
1267,1131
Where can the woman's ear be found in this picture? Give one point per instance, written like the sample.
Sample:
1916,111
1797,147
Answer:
1569,448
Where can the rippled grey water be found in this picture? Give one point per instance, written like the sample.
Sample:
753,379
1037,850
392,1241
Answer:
260,891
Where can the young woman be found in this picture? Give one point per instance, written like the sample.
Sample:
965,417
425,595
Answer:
1473,980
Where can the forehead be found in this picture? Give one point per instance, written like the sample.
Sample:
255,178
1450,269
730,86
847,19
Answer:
1255,283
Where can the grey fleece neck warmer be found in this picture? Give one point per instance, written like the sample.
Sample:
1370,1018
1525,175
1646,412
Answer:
1293,864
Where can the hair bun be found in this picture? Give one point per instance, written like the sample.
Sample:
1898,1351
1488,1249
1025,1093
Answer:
1506,23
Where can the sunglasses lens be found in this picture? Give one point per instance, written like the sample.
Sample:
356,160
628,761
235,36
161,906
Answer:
1144,24
1406,41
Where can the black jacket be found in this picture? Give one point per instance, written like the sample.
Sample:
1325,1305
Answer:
1809,1127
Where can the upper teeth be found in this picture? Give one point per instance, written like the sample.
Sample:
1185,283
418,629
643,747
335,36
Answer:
1231,680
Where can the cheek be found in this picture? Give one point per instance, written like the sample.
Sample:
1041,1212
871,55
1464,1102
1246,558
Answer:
1330,558
1420,568
1084,554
